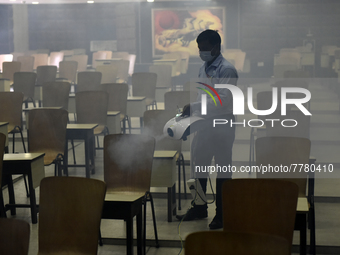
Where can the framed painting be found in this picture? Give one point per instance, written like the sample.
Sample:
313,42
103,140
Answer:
177,29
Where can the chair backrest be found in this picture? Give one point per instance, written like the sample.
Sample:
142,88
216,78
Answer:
301,128
25,82
132,61
70,211
43,51
109,73
285,151
9,68
91,107
68,53
120,54
154,121
128,162
11,108
240,243
184,61
27,63
237,56
5,58
56,94
173,100
98,55
2,151
144,84
123,69
14,236
46,74
118,93
79,52
82,62
163,75
68,70
16,55
40,59
178,57
55,58
272,202
47,130
296,74
88,81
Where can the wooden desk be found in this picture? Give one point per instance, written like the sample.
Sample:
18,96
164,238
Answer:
164,175
169,61
30,164
126,205
107,61
4,130
82,132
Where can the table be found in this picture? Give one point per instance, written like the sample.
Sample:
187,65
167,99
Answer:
4,130
30,164
169,61
164,175
107,61
125,206
113,122
82,132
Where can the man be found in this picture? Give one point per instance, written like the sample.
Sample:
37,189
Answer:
212,141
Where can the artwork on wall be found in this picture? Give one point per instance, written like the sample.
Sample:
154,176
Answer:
177,29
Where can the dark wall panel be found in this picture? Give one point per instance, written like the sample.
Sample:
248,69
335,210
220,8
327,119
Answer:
6,29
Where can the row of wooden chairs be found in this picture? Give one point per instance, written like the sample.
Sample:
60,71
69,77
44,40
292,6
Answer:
80,201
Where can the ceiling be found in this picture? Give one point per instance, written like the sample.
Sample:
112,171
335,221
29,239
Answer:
78,1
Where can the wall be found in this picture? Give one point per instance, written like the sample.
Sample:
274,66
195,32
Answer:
6,29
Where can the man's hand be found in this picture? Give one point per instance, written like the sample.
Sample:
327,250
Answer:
186,110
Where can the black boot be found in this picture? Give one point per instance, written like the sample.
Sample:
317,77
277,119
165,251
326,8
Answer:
194,213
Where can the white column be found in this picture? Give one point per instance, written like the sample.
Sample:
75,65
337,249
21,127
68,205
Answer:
20,28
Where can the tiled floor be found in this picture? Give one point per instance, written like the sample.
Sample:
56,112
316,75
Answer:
325,136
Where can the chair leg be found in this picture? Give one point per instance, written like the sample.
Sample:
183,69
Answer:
184,179
124,127
154,220
13,150
74,153
251,146
312,231
2,206
129,123
100,240
179,183
22,139
144,223
26,186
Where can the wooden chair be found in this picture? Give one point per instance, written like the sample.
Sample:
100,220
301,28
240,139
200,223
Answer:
5,58
91,108
98,55
88,81
81,60
16,55
11,112
69,215
2,150
120,54
24,82
286,151
178,57
163,75
118,101
68,71
123,70
240,243
55,58
46,74
56,94
27,63
154,121
9,68
272,202
14,236
109,73
40,59
127,173
47,134
79,51
144,84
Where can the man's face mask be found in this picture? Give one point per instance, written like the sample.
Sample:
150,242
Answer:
206,55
